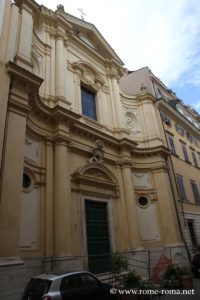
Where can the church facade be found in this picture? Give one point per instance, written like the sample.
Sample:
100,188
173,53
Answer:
84,170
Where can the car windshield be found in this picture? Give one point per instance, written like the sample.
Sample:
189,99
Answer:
36,288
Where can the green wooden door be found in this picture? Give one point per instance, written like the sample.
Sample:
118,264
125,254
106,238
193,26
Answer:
98,243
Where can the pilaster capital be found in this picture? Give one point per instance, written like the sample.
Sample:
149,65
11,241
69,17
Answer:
61,140
127,163
59,34
114,71
124,163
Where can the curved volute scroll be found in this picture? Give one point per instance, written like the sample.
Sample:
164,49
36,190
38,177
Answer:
95,177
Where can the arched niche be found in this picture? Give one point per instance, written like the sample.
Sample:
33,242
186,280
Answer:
95,178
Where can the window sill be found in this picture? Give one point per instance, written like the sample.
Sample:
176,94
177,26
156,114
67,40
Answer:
188,162
174,154
184,200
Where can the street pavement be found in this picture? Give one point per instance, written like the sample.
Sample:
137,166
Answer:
195,293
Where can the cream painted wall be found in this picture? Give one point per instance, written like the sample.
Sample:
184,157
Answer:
149,228
30,220
49,137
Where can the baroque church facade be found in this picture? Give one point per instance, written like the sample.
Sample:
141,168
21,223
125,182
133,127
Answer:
84,170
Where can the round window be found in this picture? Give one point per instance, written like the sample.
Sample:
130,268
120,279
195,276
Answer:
143,201
26,181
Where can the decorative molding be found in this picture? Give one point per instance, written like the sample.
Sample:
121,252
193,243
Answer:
83,170
95,178
88,74
132,121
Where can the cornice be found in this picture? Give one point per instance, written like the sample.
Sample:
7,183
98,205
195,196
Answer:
163,103
54,19
23,84
114,69
159,150
145,96
94,31
30,81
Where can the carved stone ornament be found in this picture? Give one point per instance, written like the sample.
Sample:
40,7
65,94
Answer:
88,76
98,152
131,121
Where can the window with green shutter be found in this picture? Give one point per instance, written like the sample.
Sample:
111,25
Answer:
195,191
181,187
98,242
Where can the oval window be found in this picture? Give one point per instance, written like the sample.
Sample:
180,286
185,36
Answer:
143,201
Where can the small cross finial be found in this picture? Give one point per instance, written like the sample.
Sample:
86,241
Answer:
82,13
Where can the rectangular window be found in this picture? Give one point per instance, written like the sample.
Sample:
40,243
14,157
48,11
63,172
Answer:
88,103
198,156
172,145
181,187
180,129
185,154
192,232
195,191
194,158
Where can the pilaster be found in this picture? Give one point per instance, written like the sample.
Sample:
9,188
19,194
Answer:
123,236
171,232
60,65
25,32
62,195
49,232
135,241
113,74
23,83
118,105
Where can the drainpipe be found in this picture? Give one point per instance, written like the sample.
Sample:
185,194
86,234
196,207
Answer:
172,188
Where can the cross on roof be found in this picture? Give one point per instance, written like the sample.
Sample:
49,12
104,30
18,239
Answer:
82,13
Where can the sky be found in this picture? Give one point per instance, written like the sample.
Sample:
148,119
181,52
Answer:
161,34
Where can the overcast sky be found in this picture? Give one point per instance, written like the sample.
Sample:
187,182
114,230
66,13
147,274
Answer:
161,34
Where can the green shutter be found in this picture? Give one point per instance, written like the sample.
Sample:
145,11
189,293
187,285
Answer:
98,243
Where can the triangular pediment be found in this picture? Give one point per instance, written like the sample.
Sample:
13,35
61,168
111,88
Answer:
90,35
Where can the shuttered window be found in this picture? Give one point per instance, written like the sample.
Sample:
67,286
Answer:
185,154
181,187
194,159
192,232
172,145
195,191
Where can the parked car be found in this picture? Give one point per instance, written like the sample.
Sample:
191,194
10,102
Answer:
69,286
195,265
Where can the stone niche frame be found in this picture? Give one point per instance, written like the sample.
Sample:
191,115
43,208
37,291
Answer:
96,182
95,179
86,75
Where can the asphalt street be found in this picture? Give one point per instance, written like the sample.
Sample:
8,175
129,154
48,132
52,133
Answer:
194,293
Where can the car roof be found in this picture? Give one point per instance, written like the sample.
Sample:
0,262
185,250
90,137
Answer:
50,276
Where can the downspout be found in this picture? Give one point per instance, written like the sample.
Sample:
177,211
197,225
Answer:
169,161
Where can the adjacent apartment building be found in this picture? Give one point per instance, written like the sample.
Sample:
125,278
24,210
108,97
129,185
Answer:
181,126
86,167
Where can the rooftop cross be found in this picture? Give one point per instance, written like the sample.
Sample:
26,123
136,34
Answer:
82,13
